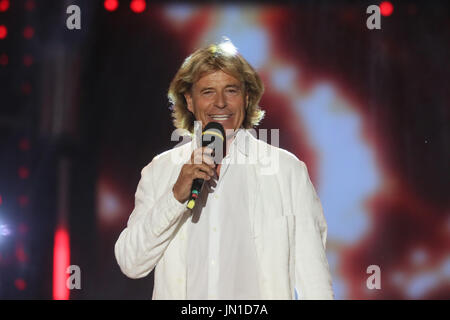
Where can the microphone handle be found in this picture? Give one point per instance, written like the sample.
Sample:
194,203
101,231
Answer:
197,185
195,191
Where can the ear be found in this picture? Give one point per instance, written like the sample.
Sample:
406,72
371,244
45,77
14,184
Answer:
188,98
246,101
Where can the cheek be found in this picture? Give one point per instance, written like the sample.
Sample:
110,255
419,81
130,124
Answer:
242,110
198,107
240,116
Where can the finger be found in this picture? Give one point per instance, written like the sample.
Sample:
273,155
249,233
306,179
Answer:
199,159
199,174
209,161
196,157
206,168
207,150
203,158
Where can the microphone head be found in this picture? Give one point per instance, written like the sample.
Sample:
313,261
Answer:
213,136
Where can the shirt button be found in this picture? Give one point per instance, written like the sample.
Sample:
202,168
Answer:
213,262
214,229
216,196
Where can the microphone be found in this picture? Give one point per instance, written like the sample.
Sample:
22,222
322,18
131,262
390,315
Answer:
213,137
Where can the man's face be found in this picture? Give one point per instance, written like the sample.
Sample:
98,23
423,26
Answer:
218,97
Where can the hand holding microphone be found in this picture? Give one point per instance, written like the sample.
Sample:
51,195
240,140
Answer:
201,165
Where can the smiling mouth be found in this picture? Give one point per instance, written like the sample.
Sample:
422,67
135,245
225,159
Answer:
220,117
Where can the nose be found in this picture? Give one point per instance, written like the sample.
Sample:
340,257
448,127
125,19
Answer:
220,101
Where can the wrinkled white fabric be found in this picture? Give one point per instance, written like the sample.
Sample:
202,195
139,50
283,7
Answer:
286,227
221,254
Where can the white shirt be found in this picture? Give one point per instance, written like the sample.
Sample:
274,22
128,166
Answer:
286,222
221,254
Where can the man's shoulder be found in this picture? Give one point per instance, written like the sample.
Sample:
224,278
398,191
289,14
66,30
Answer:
282,165
170,158
179,149
275,153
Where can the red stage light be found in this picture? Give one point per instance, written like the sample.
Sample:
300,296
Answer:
20,254
24,144
3,32
138,6
111,5
1,200
4,5
26,88
23,172
23,201
3,59
28,60
23,228
29,5
20,284
61,260
386,8
28,32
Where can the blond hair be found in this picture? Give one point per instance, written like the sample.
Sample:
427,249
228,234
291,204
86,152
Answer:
223,56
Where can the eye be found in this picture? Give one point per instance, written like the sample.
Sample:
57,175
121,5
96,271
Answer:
232,90
207,92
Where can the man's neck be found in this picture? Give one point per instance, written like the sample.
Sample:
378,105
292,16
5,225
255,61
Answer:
230,140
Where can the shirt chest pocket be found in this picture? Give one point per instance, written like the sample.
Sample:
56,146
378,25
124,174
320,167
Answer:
271,210
272,219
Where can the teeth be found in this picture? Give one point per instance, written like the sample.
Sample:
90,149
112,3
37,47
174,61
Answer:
220,117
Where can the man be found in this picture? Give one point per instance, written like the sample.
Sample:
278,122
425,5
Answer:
255,232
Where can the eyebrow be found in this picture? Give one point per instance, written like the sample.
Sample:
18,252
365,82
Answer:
233,86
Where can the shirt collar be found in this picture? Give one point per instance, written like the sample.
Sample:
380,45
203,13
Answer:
242,141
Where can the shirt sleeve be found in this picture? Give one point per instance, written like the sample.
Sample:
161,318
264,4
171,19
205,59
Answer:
151,226
312,276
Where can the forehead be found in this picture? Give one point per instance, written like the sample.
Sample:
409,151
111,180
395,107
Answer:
215,78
